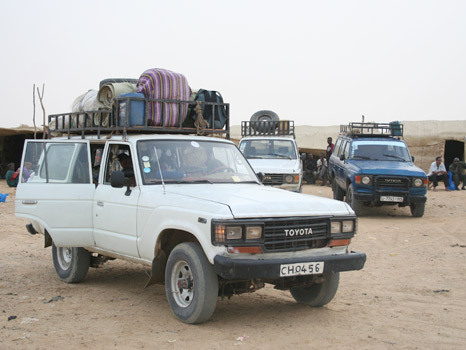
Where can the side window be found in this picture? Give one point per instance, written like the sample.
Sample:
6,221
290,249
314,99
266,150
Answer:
56,162
336,151
346,146
119,158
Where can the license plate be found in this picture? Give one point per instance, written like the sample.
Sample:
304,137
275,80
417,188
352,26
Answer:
300,269
391,199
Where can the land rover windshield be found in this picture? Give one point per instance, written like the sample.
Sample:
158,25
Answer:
268,149
188,161
379,150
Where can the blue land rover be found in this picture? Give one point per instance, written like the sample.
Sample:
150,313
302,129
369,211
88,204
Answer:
371,165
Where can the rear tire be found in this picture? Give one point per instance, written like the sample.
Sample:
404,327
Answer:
191,284
71,263
417,209
353,203
319,294
338,193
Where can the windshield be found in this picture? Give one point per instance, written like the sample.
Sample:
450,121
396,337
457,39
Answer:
186,161
268,149
380,150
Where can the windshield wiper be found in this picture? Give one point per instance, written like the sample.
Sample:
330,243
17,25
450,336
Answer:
278,155
362,157
393,156
198,182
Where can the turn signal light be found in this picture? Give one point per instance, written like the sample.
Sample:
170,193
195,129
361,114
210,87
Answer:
339,242
245,250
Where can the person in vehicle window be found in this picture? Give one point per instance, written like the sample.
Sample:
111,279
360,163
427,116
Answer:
438,172
456,169
127,168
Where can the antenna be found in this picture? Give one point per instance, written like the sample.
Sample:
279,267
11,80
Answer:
363,118
160,170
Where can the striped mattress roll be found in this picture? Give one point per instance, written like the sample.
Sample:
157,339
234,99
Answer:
163,84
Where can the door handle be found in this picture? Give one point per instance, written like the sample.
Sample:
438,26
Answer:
29,202
100,204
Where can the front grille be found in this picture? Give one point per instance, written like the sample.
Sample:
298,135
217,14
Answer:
273,179
275,239
392,181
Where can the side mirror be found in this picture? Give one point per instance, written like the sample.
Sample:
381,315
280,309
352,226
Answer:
260,176
342,157
303,156
118,180
412,158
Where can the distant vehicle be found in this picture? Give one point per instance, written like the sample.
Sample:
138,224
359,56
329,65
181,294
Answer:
371,165
271,149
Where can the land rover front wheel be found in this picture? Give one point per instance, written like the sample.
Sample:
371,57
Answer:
318,294
353,202
417,209
338,193
191,284
71,263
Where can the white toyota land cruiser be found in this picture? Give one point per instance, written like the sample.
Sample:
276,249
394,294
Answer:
190,207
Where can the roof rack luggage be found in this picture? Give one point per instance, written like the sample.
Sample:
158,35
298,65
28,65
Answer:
267,128
372,129
130,115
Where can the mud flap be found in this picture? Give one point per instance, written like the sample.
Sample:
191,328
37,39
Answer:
157,274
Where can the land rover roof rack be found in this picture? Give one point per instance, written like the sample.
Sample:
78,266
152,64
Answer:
372,129
115,120
267,128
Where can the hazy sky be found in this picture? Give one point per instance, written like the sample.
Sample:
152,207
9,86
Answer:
316,62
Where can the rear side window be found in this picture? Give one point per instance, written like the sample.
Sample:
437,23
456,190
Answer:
55,162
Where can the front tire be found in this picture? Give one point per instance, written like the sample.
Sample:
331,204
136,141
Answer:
319,294
71,263
338,193
191,284
353,203
417,209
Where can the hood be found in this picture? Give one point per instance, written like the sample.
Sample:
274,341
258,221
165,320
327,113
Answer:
275,165
249,200
371,167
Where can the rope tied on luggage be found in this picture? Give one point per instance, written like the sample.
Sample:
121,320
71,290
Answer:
201,124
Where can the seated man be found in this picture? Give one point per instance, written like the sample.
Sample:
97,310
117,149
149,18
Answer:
12,176
456,169
438,172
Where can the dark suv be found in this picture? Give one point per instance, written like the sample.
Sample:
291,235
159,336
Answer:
371,165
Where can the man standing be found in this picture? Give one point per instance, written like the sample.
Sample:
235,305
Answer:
330,147
438,172
456,169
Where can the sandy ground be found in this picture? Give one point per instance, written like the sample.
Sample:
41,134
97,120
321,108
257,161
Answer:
410,295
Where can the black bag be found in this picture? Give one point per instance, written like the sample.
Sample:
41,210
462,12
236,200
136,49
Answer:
215,115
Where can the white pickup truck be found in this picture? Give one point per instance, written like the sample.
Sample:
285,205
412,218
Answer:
271,149
192,209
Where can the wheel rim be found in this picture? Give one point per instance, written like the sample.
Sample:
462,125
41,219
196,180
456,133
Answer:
64,257
182,284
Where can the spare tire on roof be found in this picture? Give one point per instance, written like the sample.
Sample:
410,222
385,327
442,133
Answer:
264,121
117,80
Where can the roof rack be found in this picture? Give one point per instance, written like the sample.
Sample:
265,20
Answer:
267,128
131,115
372,129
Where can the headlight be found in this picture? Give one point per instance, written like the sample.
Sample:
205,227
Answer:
335,227
362,179
234,232
253,232
418,182
348,226
289,179
237,232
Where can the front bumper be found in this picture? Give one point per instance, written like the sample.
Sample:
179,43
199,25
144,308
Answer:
236,269
375,197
